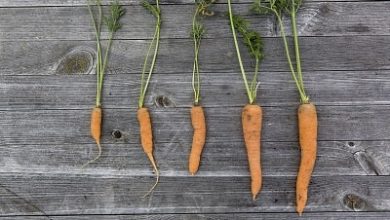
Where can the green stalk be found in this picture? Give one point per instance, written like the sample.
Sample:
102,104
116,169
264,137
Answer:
97,27
286,48
156,39
297,52
248,91
254,80
195,71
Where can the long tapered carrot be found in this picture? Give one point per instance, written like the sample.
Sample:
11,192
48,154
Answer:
96,131
251,124
199,138
307,120
146,135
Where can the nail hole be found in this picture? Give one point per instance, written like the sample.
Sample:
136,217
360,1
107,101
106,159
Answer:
116,134
162,101
351,144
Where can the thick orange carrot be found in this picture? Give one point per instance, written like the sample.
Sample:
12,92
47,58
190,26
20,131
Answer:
96,131
307,120
147,140
199,138
251,123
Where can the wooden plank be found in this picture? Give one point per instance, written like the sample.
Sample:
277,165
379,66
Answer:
40,3
175,90
337,123
329,53
85,194
238,216
315,19
121,159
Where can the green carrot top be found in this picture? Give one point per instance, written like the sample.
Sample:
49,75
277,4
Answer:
254,44
289,7
113,25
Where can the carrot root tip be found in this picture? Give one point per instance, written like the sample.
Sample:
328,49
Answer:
155,169
96,158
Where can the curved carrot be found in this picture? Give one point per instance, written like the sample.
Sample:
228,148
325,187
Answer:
199,138
96,131
307,119
251,123
147,140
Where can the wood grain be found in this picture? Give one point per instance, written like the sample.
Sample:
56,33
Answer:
238,216
318,53
338,123
96,194
315,19
41,3
47,89
122,159
41,92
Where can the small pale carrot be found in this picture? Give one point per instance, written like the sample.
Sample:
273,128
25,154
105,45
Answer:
146,132
146,135
199,138
307,120
96,130
113,26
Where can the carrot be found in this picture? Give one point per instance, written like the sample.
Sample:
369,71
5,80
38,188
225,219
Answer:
96,131
307,119
251,113
113,25
251,124
143,113
147,140
199,138
306,113
197,113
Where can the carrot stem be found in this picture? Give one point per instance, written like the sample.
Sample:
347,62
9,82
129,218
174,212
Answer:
248,91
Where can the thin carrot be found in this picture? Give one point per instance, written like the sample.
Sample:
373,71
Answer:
113,25
96,130
306,113
307,119
147,71
251,113
199,138
251,124
147,140
197,113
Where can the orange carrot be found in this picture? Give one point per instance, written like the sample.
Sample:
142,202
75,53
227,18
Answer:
147,140
307,119
251,123
199,138
96,131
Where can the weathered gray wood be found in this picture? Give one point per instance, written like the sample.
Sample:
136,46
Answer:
175,90
37,3
97,194
318,53
338,123
47,91
122,159
226,216
315,19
